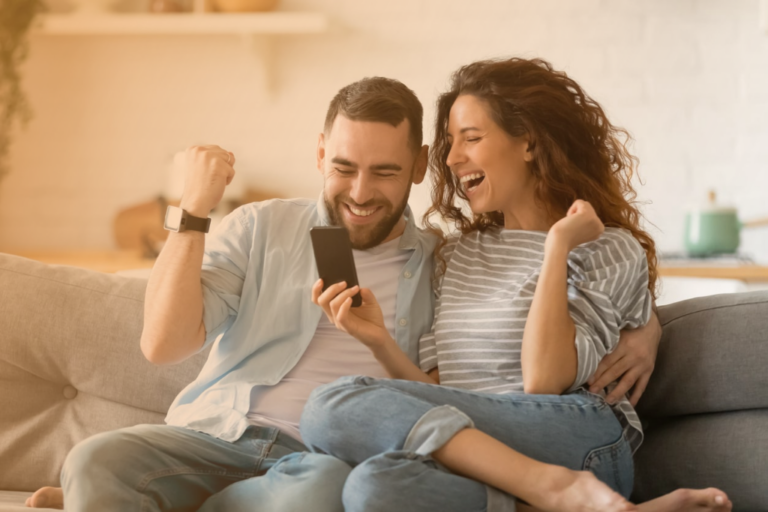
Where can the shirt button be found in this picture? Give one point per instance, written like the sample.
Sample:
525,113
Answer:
403,322
407,274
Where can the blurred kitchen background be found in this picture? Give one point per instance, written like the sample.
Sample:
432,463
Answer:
116,94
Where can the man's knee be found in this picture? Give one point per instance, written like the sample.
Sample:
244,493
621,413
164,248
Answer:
106,452
402,480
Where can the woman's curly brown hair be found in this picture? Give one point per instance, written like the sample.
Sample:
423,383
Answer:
577,152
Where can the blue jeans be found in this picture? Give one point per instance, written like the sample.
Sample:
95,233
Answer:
160,467
387,429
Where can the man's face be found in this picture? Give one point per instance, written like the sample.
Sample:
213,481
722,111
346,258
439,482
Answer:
368,168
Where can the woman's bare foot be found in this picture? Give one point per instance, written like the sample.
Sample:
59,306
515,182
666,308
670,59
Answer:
578,491
689,500
46,497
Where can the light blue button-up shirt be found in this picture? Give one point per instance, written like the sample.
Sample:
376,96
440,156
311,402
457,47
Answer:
257,275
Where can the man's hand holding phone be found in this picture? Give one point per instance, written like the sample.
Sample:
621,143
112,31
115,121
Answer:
366,322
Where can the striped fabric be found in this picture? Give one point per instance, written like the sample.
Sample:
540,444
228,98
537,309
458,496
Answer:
486,293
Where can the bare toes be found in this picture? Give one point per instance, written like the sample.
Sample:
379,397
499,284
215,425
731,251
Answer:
50,497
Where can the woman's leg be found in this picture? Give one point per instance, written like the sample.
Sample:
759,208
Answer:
406,482
415,482
299,481
357,418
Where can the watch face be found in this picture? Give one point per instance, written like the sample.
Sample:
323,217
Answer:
173,218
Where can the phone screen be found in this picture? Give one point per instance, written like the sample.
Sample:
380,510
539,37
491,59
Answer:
334,258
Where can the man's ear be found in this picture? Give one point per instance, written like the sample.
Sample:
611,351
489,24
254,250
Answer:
420,165
321,153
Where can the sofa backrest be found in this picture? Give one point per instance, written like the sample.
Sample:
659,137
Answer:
705,410
71,366
712,357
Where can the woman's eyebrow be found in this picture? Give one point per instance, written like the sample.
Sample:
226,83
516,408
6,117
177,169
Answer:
465,129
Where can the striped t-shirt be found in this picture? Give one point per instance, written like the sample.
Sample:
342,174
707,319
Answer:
486,293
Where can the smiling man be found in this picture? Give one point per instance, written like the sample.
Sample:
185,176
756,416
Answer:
370,202
232,440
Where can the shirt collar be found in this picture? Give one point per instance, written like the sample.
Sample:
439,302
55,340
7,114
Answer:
408,240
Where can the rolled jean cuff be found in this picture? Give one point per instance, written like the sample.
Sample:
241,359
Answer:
435,428
499,501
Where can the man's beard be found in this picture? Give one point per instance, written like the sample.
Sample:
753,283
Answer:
365,237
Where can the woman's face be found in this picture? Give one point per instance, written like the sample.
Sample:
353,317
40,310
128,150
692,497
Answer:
491,165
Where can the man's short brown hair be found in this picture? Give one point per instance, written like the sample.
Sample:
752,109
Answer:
382,100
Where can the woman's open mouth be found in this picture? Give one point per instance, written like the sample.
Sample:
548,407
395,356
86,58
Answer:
472,181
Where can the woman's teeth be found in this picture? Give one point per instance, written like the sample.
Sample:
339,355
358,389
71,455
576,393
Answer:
472,181
361,213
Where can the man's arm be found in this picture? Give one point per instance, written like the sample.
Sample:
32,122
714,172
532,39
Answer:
173,305
631,363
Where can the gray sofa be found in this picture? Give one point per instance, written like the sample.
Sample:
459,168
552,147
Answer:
70,367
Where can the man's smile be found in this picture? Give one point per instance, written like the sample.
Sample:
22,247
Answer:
360,215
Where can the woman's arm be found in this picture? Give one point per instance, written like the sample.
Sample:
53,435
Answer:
548,357
366,323
399,366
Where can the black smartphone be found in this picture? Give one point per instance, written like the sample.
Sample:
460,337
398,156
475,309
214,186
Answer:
333,255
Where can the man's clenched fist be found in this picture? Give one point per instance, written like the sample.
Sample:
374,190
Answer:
207,170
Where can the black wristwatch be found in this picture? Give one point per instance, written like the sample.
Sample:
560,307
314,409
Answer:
178,220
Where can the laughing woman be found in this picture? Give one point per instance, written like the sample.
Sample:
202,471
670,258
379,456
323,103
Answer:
548,269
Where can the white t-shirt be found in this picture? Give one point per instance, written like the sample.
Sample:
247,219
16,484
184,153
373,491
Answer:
332,353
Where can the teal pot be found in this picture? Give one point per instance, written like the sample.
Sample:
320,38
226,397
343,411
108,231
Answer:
713,230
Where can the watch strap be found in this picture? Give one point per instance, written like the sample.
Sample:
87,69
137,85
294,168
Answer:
196,223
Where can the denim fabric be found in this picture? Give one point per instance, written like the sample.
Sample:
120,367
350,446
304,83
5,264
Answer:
260,261
158,467
386,428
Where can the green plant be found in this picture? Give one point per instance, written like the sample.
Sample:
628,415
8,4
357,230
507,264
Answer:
16,16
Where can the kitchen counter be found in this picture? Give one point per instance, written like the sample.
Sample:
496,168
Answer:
746,273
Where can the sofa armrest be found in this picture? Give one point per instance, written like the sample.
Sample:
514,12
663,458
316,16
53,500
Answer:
71,365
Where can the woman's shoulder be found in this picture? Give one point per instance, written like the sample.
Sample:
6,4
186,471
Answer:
614,246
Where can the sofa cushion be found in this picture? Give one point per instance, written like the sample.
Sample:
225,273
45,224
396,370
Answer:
71,366
712,357
725,450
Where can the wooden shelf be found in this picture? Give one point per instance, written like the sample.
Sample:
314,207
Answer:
258,31
268,23
746,273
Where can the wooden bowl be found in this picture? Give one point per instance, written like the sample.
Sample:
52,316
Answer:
245,5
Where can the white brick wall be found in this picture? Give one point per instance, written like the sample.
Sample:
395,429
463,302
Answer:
688,78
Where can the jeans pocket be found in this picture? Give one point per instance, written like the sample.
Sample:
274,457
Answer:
613,465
